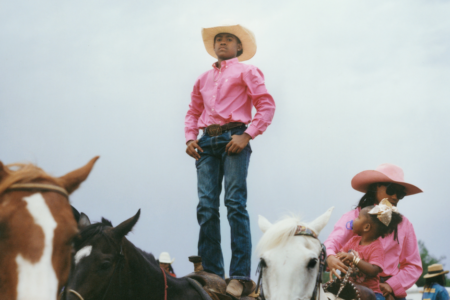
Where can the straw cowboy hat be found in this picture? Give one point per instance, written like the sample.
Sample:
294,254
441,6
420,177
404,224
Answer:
435,270
164,258
229,26
383,173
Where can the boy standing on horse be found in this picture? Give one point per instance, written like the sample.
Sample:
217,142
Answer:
221,105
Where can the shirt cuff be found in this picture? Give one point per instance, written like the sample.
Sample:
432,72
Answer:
397,287
190,136
252,131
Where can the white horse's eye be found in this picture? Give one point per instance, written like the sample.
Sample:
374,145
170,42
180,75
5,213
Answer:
312,263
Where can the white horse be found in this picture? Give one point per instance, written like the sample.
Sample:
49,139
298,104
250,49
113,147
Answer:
291,261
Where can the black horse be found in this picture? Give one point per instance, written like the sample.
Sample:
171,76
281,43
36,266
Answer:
108,266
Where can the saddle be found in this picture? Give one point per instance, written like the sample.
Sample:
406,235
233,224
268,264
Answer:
351,291
214,285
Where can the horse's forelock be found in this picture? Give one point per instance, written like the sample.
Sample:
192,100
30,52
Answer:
278,234
22,173
106,222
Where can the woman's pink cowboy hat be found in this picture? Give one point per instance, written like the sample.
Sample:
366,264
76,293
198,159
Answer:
383,173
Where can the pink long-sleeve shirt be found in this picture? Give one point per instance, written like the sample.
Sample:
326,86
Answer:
226,95
401,260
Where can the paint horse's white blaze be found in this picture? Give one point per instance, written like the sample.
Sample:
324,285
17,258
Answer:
38,280
83,252
287,275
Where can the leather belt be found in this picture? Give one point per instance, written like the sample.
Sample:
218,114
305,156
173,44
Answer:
216,129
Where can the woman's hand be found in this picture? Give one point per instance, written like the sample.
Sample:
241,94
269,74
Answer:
335,264
386,289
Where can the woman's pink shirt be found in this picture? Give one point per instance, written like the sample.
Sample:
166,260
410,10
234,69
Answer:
227,95
401,260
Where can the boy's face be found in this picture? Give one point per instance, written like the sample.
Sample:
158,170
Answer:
226,46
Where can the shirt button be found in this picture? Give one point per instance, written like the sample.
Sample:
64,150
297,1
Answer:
212,109
214,96
216,83
226,80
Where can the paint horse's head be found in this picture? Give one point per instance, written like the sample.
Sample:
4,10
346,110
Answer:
36,230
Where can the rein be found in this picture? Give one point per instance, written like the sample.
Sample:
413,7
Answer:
304,231
38,186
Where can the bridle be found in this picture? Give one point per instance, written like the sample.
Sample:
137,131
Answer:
119,263
304,231
38,186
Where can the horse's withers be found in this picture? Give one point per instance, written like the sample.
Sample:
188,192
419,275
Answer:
36,229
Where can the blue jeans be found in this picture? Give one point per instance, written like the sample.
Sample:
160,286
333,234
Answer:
213,166
379,296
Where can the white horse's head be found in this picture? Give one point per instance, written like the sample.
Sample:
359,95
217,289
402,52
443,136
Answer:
292,262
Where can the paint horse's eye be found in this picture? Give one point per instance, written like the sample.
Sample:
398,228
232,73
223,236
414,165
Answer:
312,263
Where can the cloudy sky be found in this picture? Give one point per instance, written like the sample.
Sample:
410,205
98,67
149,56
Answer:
357,84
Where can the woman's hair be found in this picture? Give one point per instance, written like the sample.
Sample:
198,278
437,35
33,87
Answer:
441,280
383,230
369,198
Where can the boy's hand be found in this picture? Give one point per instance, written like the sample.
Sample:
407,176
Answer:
237,143
190,150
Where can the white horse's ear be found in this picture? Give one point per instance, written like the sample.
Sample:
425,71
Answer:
263,223
318,224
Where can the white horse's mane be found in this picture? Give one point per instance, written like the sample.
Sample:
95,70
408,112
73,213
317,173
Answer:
279,233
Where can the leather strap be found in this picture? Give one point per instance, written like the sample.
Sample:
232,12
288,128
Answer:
38,186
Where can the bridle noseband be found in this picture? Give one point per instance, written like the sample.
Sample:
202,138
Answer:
304,231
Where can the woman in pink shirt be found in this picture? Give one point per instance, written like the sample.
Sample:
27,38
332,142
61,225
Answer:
402,263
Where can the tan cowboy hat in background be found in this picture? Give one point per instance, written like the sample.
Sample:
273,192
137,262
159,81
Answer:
164,258
435,270
230,26
383,173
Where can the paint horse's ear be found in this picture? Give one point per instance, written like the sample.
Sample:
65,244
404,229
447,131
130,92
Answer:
123,228
83,221
2,171
71,181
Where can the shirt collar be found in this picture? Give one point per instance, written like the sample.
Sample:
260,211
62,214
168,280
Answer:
226,63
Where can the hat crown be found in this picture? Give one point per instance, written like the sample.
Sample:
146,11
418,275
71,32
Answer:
435,268
392,171
164,257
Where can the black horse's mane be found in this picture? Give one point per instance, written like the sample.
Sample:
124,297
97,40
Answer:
92,230
89,232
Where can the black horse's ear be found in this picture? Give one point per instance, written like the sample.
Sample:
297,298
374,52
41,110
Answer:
123,228
76,214
83,221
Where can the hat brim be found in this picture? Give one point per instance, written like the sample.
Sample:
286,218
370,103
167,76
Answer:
245,35
364,179
167,262
434,275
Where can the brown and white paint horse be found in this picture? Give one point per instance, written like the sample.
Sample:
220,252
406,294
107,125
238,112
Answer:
36,230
